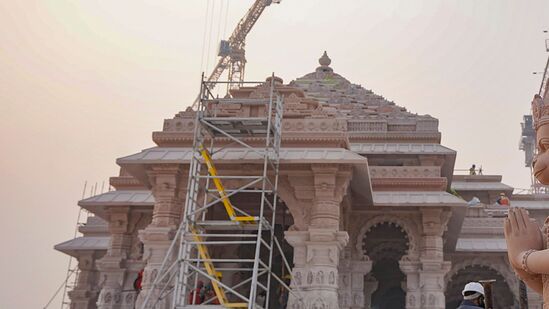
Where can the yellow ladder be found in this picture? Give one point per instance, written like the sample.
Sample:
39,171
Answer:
219,186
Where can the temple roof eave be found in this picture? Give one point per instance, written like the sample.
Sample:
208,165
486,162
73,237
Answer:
76,246
99,204
481,186
136,164
417,198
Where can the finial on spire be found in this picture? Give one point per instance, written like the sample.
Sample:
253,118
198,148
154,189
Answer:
325,60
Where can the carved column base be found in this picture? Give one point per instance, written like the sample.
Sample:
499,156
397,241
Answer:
156,241
316,258
411,268
370,286
351,283
431,281
112,269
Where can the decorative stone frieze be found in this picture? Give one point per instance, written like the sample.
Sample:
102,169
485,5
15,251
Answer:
404,171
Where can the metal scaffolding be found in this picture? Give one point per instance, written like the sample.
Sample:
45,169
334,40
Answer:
213,219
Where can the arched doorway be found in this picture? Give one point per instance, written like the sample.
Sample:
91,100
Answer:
503,296
385,244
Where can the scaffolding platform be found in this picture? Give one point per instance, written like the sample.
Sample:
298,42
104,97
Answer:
237,127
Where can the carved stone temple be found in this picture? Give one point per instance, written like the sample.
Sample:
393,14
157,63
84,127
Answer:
372,213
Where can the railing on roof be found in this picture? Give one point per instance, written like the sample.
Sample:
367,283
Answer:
467,171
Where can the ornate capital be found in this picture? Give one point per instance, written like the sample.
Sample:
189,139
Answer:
434,221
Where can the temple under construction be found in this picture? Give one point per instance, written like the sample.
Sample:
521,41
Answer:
312,194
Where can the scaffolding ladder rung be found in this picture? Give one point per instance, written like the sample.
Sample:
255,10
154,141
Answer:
222,242
213,225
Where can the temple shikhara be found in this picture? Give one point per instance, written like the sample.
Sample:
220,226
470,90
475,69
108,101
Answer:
369,212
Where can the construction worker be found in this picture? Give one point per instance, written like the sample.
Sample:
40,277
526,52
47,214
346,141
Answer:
209,295
473,296
195,297
137,283
503,200
472,170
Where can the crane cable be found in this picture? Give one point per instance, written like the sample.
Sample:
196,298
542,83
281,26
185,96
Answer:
204,36
210,37
226,19
220,21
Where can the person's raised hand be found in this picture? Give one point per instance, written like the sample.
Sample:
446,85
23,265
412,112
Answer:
522,234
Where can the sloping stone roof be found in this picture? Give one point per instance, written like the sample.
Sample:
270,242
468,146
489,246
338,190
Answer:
401,148
240,155
71,247
120,197
351,100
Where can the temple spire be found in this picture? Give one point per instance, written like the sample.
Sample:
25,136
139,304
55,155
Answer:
325,60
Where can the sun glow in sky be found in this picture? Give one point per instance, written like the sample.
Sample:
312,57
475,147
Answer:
85,82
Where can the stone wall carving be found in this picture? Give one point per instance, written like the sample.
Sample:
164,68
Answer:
404,171
367,125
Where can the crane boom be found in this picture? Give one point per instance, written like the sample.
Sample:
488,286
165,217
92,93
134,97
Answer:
232,53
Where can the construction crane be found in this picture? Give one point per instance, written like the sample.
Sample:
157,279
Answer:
232,53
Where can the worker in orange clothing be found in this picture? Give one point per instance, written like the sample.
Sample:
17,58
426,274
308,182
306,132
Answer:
195,297
137,283
503,200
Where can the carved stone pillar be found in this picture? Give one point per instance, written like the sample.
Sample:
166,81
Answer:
352,274
113,264
168,188
317,247
84,295
433,266
411,268
370,286
315,273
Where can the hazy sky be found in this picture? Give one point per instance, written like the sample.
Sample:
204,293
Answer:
85,82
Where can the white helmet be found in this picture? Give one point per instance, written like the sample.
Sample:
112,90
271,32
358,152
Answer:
473,287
